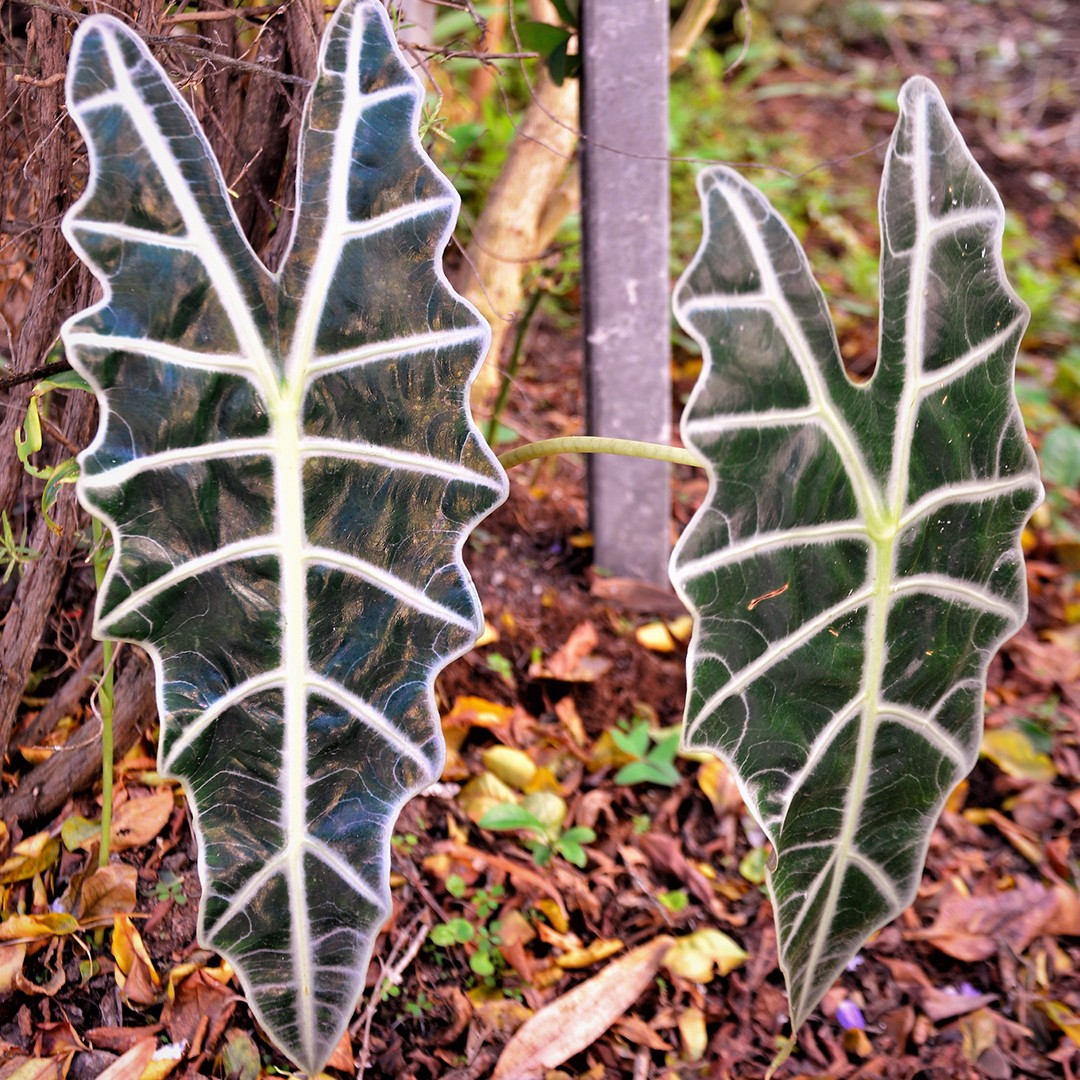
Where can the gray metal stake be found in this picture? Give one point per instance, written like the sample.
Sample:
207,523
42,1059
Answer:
626,212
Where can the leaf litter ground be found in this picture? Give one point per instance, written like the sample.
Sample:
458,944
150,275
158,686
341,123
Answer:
978,979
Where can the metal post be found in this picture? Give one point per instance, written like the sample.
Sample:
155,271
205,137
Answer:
624,111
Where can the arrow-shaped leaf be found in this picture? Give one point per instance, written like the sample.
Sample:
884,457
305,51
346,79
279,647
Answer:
857,561
289,470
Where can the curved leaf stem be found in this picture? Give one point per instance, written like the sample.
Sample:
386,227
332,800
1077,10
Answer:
594,444
105,703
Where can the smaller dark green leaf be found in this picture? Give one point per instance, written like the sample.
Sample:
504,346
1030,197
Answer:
568,11
561,65
542,37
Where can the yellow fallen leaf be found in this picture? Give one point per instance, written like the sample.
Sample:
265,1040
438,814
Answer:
600,949
978,1032
29,857
696,955
37,926
483,792
497,1014
1062,1017
512,766
555,915
135,972
1015,755
681,628
79,832
576,1020
694,1035
719,787
25,1068
477,712
655,637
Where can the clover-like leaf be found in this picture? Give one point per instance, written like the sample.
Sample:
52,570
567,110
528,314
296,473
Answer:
289,470
856,562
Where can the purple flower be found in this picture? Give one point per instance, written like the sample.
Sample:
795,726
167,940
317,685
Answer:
849,1016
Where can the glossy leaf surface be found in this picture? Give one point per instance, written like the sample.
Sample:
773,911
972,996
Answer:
289,470
856,562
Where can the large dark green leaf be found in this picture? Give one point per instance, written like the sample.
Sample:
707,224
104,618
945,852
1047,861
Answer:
856,562
289,470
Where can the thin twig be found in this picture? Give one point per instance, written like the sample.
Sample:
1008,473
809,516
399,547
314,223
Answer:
34,375
163,41
390,972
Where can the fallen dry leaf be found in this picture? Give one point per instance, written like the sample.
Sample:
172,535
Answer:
119,1040
196,998
29,857
239,1057
972,928
138,821
106,891
19,1067
656,637
574,661
1062,1017
1066,917
944,1005
139,982
600,949
25,927
693,1033
635,1030
11,963
133,1064
1012,751
577,1019
702,955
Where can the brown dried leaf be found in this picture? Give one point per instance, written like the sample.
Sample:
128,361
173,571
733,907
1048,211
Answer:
194,996
119,1040
577,1019
11,963
635,1030
133,1064
138,821
58,1037
971,928
574,661
26,1068
941,1005
109,890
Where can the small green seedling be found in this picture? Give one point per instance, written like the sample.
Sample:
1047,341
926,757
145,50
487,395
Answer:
654,760
542,815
